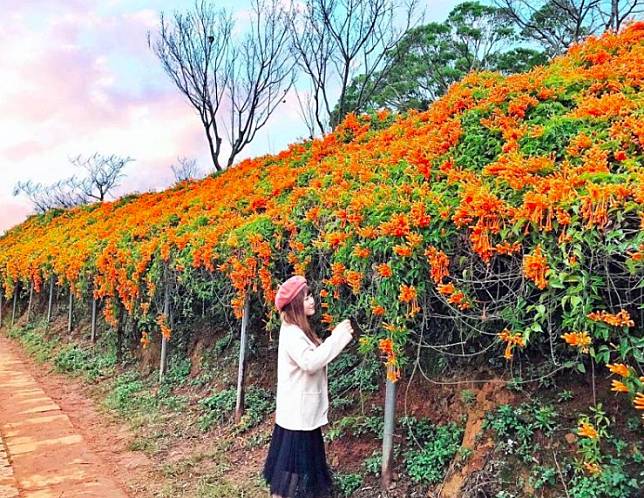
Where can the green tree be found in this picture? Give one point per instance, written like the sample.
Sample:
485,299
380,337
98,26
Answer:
432,57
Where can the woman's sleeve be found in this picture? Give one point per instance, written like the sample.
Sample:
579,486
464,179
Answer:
311,359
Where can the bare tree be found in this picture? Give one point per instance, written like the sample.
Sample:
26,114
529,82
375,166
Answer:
185,169
337,40
234,85
46,197
615,12
557,24
103,174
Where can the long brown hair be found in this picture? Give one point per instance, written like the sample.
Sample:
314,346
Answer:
293,313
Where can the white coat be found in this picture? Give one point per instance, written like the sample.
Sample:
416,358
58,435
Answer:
302,402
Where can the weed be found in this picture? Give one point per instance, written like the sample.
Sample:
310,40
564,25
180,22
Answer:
565,395
373,463
468,396
428,464
129,394
347,484
220,406
542,476
178,371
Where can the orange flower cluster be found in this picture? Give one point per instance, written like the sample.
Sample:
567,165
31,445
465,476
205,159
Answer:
354,280
361,252
592,468
455,297
638,402
145,340
409,295
511,340
619,387
619,369
535,268
587,430
580,340
621,319
384,270
403,250
387,348
397,226
162,322
439,263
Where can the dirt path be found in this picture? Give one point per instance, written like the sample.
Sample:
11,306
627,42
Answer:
8,485
57,443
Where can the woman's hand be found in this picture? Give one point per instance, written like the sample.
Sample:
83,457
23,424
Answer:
344,325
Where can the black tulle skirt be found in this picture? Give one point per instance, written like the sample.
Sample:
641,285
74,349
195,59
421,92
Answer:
296,464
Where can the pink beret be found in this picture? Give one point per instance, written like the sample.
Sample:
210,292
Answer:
288,290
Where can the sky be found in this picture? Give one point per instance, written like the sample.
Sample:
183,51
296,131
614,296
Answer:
78,77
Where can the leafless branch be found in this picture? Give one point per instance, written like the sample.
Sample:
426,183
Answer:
185,169
337,40
234,86
103,174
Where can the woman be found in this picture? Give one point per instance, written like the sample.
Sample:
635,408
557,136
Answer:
296,463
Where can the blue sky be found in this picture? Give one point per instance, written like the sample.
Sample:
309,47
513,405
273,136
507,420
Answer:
78,78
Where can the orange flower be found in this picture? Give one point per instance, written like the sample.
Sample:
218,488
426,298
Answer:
145,340
620,155
535,268
378,310
439,263
511,340
638,402
407,293
458,298
393,374
579,340
384,270
619,369
621,319
326,318
414,239
418,217
312,214
337,274
586,429
335,239
386,346
404,251
618,387
354,279
367,232
592,468
446,289
166,332
361,252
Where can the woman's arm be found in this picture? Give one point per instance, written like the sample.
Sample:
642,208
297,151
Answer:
311,359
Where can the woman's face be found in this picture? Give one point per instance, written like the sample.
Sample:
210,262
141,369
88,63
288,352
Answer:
309,304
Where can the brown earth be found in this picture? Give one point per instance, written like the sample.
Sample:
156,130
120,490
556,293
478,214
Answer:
488,397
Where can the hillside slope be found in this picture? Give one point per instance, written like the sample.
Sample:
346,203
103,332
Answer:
503,226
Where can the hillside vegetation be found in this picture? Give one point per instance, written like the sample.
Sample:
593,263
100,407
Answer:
504,224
